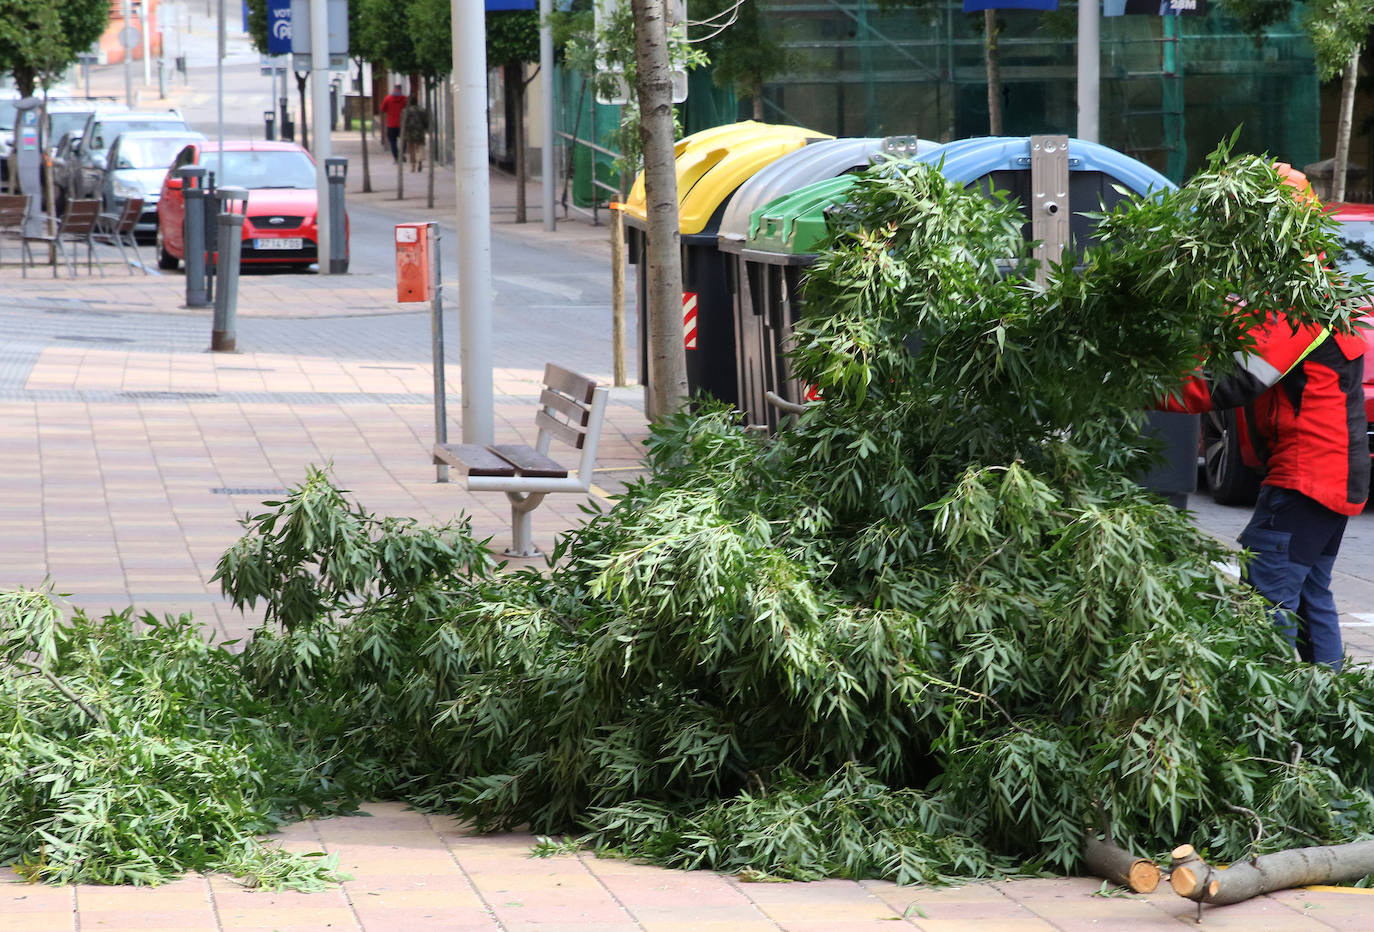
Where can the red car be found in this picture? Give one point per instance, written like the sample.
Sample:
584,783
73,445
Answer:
279,226
1228,464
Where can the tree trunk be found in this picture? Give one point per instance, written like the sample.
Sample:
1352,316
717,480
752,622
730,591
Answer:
301,78
1118,865
364,117
1343,124
401,164
430,148
1195,879
521,175
667,374
756,92
994,68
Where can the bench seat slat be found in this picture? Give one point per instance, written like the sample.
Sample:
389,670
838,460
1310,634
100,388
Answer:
529,461
473,459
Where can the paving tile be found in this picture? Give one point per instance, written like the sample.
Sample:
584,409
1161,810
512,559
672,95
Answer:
287,919
36,920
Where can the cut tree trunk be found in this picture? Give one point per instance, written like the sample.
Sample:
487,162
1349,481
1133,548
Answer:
654,87
1118,865
1195,879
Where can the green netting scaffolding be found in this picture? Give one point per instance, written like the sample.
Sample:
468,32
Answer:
1172,87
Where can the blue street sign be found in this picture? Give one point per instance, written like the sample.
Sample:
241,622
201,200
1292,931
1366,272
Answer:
278,27
494,6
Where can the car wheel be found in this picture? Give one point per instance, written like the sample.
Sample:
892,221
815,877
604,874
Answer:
165,260
1231,482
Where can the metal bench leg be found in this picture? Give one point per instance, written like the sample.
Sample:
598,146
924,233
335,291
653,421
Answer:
521,505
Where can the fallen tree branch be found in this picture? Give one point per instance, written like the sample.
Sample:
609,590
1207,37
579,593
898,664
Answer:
1195,879
1118,865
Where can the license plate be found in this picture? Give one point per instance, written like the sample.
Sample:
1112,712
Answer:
292,243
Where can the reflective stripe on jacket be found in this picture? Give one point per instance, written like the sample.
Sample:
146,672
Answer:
1304,399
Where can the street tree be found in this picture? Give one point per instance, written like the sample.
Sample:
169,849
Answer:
512,42
1339,30
386,37
39,39
743,53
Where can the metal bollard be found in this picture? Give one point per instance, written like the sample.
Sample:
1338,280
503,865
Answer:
333,104
211,240
285,128
269,121
233,202
193,236
336,170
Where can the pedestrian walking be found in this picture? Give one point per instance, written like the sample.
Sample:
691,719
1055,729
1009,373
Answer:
414,127
392,106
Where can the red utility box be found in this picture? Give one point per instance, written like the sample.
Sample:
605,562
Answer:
416,263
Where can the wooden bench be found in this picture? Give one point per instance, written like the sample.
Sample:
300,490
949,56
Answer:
77,226
571,410
117,229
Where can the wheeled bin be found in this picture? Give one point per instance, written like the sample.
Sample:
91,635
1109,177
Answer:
757,361
710,166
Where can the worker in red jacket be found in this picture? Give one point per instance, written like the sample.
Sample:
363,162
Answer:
1302,391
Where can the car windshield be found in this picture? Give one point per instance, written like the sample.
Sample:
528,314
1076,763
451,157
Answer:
149,153
105,131
1357,254
265,169
6,114
65,121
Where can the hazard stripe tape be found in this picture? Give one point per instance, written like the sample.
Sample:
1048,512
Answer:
689,320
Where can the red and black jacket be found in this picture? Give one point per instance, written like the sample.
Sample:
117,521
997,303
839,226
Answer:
1302,391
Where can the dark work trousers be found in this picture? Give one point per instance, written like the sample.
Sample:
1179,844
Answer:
393,133
1294,541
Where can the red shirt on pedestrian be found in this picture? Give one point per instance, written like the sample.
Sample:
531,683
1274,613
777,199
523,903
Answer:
391,107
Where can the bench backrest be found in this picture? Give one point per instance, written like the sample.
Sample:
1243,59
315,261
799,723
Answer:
571,409
13,208
80,218
128,215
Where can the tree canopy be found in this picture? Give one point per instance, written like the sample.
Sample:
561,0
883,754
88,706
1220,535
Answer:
39,39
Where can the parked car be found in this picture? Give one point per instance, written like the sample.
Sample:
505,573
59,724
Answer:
137,163
1227,462
102,128
64,115
279,226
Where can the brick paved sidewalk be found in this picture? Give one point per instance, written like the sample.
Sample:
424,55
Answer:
131,453
415,873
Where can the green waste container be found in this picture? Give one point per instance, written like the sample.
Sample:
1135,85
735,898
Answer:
755,286
710,166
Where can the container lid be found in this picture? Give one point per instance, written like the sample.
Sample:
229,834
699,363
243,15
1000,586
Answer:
794,224
713,163
797,169
967,160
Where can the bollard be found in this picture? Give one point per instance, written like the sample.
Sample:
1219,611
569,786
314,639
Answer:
336,170
333,104
285,128
210,208
193,236
269,122
233,202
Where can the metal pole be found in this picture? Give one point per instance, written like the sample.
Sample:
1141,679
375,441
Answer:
319,103
128,16
546,89
147,43
436,334
193,235
1089,69
473,217
223,338
618,294
337,169
219,78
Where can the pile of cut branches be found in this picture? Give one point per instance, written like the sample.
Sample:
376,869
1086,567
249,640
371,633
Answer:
934,630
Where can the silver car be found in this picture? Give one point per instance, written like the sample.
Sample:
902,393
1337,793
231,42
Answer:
136,164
